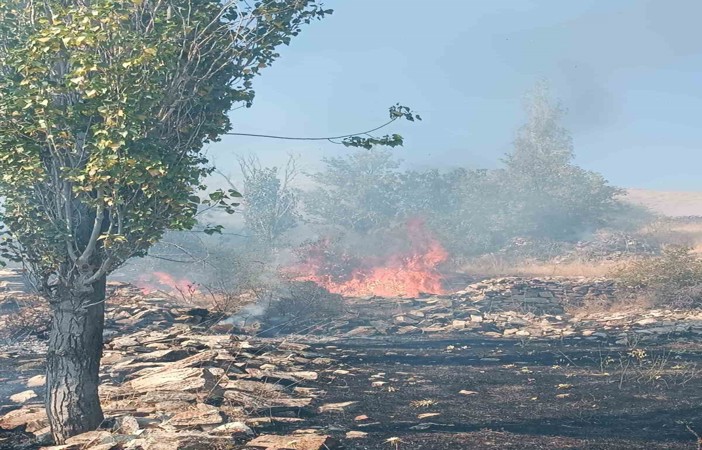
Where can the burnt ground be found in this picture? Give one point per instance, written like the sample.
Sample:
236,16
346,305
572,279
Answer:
568,394
525,395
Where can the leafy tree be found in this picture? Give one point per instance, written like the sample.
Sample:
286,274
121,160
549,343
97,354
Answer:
465,208
106,106
548,195
270,201
359,192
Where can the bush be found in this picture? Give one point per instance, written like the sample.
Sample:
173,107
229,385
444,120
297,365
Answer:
674,278
236,276
301,307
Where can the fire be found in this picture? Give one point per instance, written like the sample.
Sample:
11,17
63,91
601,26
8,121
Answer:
408,273
161,281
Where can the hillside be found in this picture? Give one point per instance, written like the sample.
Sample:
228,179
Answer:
668,203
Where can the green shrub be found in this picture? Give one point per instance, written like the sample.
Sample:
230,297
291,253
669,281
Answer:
674,278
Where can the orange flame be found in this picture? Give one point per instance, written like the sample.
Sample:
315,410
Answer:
161,281
405,274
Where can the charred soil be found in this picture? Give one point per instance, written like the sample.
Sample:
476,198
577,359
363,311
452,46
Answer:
475,394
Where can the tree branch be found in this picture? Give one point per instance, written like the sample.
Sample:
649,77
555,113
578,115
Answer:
95,234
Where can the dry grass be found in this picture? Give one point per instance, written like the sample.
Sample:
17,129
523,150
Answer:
219,300
622,303
666,232
692,232
489,267
22,316
663,232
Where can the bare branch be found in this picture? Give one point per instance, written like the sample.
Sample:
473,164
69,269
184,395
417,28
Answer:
328,138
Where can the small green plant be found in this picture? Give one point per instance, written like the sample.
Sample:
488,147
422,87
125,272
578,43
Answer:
394,442
425,403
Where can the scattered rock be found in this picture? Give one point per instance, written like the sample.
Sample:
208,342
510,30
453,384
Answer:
91,438
335,407
409,329
186,379
32,417
647,321
362,331
36,381
127,425
234,429
459,324
356,435
304,442
190,440
199,415
24,396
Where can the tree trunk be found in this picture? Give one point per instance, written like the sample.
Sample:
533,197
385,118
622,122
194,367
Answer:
73,362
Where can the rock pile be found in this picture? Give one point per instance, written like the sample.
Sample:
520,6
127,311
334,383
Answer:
604,245
518,308
612,245
540,295
176,389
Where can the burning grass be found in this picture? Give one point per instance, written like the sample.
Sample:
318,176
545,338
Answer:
164,282
405,273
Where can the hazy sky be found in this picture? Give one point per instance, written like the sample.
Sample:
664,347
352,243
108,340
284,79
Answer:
628,71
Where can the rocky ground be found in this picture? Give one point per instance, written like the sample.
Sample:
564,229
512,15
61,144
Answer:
507,363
